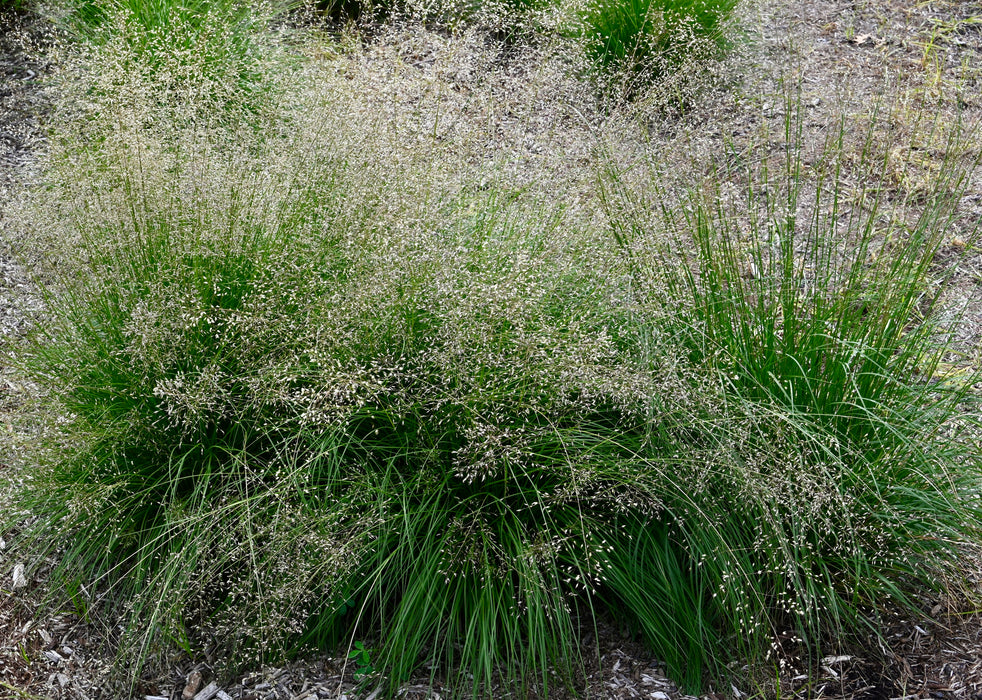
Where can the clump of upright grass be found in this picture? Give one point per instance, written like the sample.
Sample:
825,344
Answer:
309,398
290,416
215,45
845,471
634,44
186,24
306,404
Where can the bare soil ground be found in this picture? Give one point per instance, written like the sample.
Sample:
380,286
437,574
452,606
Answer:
920,60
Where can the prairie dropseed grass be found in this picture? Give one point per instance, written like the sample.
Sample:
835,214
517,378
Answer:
317,383
413,418
635,44
846,470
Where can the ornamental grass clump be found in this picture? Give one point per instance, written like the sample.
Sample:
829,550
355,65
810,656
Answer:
216,45
310,389
298,407
636,44
843,467
183,23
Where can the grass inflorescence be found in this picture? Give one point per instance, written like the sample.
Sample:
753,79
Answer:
214,45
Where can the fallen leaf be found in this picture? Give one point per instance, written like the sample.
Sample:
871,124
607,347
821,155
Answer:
19,577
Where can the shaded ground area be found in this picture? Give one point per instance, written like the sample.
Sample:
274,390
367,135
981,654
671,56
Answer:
926,56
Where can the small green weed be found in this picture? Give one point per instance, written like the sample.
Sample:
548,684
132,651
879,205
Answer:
363,660
79,599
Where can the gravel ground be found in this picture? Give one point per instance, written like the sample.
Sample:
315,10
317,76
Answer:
927,54
21,107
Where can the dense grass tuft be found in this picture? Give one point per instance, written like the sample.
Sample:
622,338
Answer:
404,432
214,45
634,44
845,458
